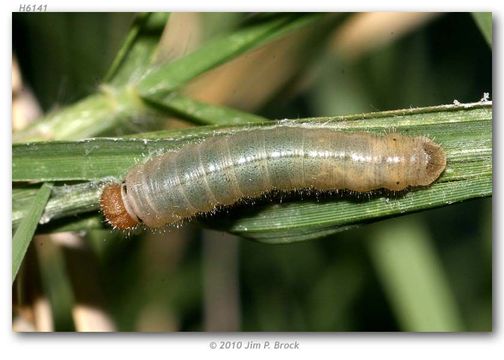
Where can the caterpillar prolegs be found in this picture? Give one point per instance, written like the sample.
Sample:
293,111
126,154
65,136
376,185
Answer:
222,170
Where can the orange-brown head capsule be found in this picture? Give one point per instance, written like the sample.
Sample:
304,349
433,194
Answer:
112,205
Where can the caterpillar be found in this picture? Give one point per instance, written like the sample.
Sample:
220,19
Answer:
222,170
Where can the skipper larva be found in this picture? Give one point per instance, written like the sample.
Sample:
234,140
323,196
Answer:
221,171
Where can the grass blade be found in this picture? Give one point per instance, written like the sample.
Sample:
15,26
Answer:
137,51
109,111
65,201
159,82
27,227
465,132
203,113
413,277
484,22
94,159
120,109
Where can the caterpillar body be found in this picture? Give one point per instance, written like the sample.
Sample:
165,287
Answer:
220,171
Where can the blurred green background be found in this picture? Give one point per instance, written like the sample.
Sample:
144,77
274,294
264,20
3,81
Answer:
431,271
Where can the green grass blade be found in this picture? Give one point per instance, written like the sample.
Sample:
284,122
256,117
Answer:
66,200
120,109
464,131
27,227
137,51
92,159
484,22
203,113
160,81
299,221
115,108
109,111
413,277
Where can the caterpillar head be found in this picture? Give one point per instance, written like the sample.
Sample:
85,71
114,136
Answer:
112,205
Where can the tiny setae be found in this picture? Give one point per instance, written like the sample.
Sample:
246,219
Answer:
222,170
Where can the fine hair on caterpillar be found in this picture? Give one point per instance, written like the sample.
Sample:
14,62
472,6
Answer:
222,170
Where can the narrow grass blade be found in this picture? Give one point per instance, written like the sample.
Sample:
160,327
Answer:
137,51
484,22
413,277
122,109
203,113
66,200
109,111
27,227
168,77
115,107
